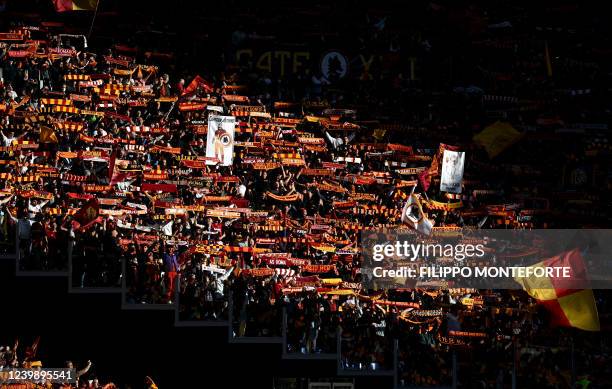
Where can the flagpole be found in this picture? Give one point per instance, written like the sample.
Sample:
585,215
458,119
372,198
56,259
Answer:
454,361
514,356
171,108
572,361
93,19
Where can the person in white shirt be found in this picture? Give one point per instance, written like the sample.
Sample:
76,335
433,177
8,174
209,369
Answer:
8,140
34,207
242,190
339,142
11,93
219,283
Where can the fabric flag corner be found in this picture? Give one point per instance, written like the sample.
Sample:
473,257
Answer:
569,304
195,84
47,135
88,213
497,137
413,215
75,5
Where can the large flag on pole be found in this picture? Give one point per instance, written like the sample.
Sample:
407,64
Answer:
197,82
569,304
118,176
497,137
434,169
75,5
47,135
413,215
88,213
220,140
453,163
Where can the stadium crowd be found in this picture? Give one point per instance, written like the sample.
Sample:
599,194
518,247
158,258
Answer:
103,164
13,357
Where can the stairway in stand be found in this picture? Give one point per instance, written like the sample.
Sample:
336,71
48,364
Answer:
343,368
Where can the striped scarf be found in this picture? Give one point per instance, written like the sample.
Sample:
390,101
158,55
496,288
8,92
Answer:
285,198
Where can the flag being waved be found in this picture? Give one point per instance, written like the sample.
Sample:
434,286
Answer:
75,5
568,303
453,163
434,169
197,82
220,140
47,135
88,213
413,215
497,137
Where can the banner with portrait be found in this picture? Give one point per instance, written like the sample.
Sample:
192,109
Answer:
220,140
452,171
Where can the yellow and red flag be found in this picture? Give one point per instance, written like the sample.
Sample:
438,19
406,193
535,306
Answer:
88,213
566,299
75,5
47,135
197,82
497,137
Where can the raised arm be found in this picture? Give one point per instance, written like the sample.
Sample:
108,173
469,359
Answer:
8,212
226,274
6,200
334,141
84,370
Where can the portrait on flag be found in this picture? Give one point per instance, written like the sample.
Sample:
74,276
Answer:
220,140
452,171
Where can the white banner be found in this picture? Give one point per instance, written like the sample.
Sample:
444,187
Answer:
220,140
213,269
413,215
452,171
